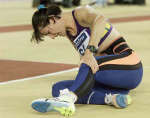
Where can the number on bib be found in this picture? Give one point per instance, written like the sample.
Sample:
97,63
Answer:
81,42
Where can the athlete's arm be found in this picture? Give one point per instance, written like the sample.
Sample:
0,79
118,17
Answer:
89,17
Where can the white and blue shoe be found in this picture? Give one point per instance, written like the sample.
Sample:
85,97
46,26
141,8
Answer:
118,100
63,104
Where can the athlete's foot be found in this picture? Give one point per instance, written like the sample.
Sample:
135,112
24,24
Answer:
54,104
63,104
118,100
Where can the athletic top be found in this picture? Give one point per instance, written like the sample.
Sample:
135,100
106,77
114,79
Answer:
81,40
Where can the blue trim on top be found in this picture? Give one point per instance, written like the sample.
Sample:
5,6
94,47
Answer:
106,35
77,24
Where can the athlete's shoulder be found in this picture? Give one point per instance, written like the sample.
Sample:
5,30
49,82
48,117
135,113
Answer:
86,14
84,9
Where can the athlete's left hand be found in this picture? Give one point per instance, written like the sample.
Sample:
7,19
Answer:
90,60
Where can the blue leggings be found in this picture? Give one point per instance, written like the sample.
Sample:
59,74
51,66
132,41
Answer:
114,79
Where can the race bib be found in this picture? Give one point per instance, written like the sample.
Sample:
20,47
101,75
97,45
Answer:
81,42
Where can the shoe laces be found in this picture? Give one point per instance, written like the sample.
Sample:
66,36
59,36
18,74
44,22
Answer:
64,92
68,96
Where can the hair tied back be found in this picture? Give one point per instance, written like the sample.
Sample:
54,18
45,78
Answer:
41,6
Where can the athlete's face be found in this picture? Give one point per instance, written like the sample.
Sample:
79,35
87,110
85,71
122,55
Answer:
55,28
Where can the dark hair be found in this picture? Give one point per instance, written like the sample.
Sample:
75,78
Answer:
41,19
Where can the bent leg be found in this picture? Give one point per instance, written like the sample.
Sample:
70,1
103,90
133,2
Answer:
120,70
82,84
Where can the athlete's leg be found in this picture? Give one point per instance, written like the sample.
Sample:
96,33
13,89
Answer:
113,78
98,93
102,94
95,96
120,71
82,84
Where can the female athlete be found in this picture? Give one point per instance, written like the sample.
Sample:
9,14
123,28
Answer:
109,68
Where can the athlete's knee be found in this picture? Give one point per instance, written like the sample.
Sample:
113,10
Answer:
136,78
83,65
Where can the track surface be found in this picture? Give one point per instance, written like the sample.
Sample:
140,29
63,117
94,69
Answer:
12,70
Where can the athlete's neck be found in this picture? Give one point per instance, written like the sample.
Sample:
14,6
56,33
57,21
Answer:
69,23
